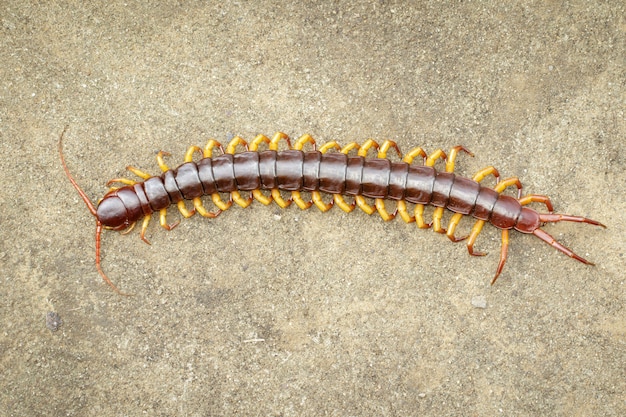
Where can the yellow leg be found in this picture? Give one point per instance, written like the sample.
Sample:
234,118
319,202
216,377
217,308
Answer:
367,145
217,200
242,202
191,151
483,173
144,227
437,216
341,203
127,181
317,200
419,217
210,145
163,220
362,203
262,198
403,212
137,172
259,139
128,230
161,161
278,136
433,157
502,185
503,253
124,181
304,139
476,229
183,209
410,156
454,221
297,198
197,203
236,141
278,199
330,145
452,157
536,198
388,144
349,147
382,210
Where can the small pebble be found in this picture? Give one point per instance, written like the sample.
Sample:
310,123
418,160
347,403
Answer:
53,321
479,301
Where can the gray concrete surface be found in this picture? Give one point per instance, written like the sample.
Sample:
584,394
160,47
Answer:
265,311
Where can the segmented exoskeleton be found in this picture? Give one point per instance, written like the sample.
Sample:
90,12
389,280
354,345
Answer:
338,173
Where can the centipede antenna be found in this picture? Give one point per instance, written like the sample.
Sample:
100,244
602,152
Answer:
82,194
99,267
92,209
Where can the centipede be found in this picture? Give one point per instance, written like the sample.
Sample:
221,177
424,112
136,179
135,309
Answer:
271,174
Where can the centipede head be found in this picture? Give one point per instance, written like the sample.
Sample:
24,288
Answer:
112,212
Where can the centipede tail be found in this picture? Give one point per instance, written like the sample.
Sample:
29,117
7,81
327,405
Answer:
333,170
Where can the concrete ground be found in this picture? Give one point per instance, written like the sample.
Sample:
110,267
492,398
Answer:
266,311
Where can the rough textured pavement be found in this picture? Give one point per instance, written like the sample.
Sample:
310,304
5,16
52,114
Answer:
265,311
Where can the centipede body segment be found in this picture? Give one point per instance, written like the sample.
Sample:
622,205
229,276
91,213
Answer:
331,169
